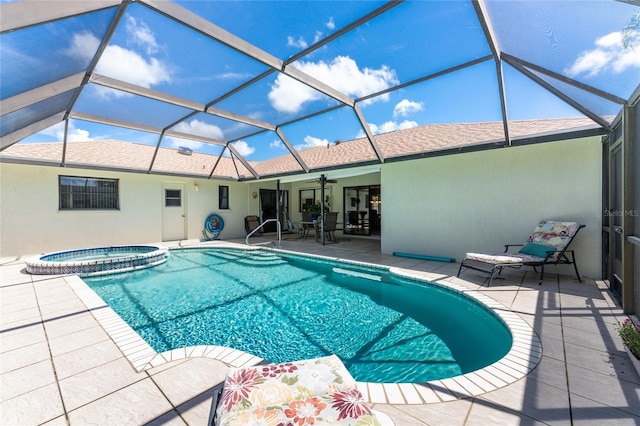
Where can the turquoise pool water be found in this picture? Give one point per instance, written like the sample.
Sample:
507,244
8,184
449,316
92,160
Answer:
282,307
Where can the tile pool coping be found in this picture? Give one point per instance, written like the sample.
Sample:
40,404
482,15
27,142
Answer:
523,356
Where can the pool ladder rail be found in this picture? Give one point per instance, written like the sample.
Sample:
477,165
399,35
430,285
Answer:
259,227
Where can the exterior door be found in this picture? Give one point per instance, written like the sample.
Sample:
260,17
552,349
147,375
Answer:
268,209
173,212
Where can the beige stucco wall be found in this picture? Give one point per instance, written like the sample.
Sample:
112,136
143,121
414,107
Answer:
447,206
441,206
30,222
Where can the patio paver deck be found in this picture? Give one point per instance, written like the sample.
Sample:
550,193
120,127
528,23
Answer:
59,365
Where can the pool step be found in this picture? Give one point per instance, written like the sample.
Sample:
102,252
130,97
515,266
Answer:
261,260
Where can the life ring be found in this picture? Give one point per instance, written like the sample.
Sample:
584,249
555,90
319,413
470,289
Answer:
214,224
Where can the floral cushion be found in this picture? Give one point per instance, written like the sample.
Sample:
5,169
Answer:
311,392
553,233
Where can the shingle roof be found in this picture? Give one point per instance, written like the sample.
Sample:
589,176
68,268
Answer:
112,154
418,140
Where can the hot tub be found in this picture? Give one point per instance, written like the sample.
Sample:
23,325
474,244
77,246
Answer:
98,260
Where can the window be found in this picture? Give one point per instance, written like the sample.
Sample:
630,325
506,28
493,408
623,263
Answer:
223,197
307,198
84,193
172,198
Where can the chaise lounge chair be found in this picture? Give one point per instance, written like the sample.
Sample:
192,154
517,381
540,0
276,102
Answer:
547,245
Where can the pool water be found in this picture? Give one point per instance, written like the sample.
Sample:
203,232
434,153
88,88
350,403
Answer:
98,254
283,308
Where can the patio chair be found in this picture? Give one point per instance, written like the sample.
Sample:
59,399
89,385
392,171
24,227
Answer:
306,225
251,223
330,225
274,394
547,245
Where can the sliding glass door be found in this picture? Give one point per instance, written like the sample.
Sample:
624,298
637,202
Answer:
362,210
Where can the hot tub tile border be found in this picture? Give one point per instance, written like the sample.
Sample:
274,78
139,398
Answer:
42,265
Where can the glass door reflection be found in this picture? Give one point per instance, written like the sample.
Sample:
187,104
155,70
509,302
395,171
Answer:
362,207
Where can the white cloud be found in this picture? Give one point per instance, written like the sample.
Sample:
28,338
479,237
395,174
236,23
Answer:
232,76
197,128
73,134
300,42
119,62
608,56
405,107
310,142
127,65
342,73
200,128
83,46
388,126
330,24
243,148
288,95
277,143
141,35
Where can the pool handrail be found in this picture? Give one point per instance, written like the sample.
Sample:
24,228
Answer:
246,239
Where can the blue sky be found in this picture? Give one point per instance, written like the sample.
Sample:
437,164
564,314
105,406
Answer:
579,39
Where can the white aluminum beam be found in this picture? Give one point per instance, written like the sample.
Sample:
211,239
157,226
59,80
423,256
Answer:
292,150
318,85
240,118
17,15
200,24
564,79
112,122
41,93
595,117
7,140
196,138
485,22
174,100
367,131
243,161
143,128
143,91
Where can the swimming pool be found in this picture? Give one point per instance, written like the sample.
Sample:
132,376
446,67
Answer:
282,307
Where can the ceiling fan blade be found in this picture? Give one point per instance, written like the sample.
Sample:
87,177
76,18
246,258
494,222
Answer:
319,181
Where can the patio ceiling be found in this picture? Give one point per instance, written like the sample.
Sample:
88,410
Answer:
244,85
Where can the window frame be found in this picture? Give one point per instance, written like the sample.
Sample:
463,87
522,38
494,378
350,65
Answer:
105,200
302,205
173,197
223,197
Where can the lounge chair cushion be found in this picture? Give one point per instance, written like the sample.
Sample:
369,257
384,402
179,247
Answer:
535,249
317,391
554,233
503,258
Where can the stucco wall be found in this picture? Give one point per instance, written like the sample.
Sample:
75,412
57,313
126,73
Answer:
447,206
30,222
441,206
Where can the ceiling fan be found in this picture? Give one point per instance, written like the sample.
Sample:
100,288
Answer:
319,181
